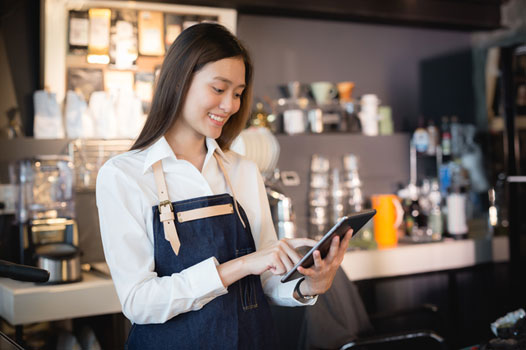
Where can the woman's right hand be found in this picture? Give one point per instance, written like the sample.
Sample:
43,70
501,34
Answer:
278,258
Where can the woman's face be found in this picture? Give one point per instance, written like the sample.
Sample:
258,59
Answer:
214,95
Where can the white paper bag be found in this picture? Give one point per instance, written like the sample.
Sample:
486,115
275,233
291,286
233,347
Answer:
103,115
48,118
128,114
78,120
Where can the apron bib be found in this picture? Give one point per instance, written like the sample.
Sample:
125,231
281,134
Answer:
204,227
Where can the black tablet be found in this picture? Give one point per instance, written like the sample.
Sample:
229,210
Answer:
354,221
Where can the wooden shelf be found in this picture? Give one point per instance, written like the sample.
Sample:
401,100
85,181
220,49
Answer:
143,63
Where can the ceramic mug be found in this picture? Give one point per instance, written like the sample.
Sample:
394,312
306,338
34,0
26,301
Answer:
369,122
323,92
368,114
345,90
389,216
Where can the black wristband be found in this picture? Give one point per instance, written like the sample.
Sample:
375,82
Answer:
297,290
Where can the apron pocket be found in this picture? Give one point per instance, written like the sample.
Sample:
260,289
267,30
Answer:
247,285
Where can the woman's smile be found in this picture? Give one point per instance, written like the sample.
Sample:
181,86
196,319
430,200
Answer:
217,119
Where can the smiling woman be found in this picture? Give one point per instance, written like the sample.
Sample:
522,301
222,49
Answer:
194,255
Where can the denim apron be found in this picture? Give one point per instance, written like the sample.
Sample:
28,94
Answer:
241,319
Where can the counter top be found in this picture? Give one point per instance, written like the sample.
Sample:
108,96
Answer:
23,302
407,259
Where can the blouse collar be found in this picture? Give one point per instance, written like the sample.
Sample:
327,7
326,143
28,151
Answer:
160,149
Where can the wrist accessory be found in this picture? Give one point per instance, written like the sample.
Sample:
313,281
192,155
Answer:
297,290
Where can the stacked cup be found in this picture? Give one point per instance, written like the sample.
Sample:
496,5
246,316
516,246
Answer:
338,196
369,114
319,195
352,182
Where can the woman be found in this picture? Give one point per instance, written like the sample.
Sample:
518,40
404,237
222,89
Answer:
185,223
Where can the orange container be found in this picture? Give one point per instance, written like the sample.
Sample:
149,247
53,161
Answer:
345,90
389,216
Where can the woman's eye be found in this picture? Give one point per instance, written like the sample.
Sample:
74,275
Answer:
218,90
236,95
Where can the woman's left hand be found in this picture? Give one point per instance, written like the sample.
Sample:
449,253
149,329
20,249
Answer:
319,277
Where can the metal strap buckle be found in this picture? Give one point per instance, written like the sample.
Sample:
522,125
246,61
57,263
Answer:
166,202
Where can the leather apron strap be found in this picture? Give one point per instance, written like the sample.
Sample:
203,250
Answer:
166,211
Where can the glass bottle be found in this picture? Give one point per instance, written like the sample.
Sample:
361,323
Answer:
421,137
446,137
435,220
432,132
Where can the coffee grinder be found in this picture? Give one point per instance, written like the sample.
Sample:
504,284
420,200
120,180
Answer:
46,215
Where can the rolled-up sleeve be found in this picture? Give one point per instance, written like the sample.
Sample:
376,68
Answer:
145,297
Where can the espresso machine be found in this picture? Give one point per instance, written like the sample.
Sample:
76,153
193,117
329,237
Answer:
46,215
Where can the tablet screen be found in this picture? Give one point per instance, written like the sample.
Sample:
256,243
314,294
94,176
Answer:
355,221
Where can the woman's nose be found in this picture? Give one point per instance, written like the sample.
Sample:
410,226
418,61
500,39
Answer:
227,103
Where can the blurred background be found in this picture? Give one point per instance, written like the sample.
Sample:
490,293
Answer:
416,109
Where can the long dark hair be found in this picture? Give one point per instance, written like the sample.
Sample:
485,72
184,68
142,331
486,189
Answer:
192,50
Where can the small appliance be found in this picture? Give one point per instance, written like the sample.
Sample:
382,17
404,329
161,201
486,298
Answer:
46,215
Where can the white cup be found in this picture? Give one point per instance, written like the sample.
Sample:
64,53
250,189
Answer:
294,121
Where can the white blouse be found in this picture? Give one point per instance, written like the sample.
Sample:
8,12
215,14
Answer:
126,193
